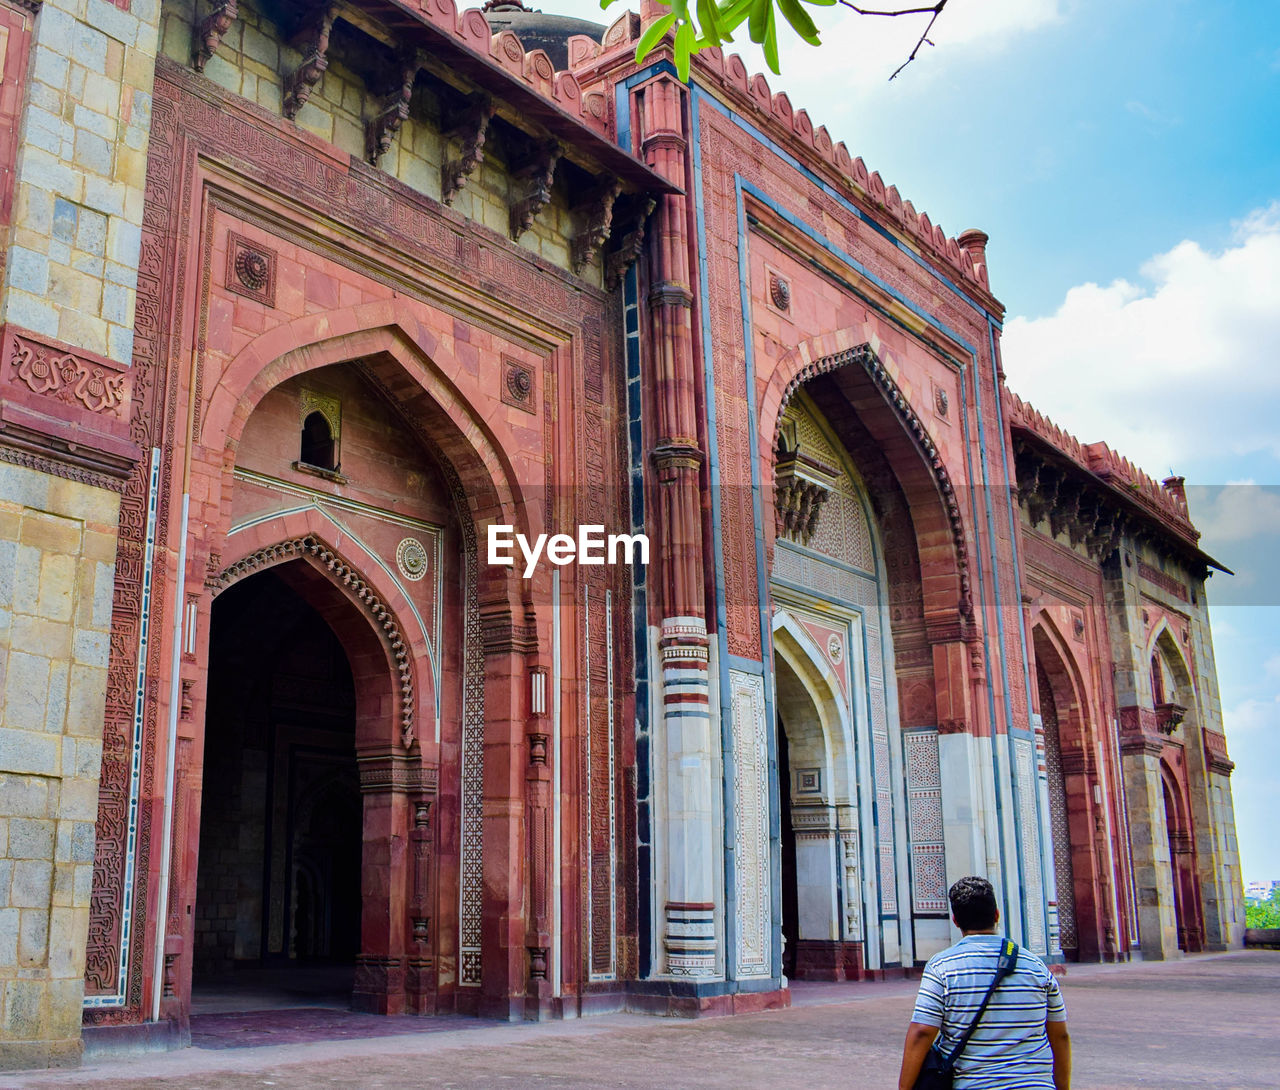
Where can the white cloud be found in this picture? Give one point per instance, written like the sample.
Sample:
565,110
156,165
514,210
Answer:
1182,366
1236,512
1253,716
860,52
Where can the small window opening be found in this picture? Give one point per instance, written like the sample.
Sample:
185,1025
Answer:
318,447
1157,680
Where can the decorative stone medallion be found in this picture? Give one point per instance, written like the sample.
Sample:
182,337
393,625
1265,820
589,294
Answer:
411,559
518,386
251,270
779,291
940,401
835,648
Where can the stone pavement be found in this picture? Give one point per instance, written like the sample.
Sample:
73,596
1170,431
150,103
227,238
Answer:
1206,1022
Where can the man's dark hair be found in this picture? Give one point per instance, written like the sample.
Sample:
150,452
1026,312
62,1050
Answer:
973,904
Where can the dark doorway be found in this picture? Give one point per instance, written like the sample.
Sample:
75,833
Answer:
790,891
1059,817
1186,906
278,887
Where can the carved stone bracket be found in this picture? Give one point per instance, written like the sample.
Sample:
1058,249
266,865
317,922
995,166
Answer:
1215,748
1086,515
391,111
630,235
211,29
1140,731
469,130
1169,716
599,222
312,41
676,456
533,182
802,484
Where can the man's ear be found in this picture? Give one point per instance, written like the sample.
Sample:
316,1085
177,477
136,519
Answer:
997,918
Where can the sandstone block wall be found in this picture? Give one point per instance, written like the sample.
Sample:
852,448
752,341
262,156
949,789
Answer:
57,551
83,112
81,171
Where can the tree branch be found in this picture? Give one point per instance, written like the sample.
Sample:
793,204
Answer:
934,10
924,39
895,13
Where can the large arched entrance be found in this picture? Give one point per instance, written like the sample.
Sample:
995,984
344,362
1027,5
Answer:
1182,863
277,915
821,914
1083,879
864,502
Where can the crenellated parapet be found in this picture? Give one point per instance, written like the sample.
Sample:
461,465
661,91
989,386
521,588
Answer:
1167,502
794,129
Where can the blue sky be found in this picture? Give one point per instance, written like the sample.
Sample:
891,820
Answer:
1124,156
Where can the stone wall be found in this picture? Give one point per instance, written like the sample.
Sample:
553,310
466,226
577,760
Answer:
253,60
82,109
73,262
57,550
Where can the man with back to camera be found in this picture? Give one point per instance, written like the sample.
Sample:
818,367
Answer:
1021,1040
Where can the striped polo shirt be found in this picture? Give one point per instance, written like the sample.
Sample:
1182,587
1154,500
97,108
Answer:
1010,1049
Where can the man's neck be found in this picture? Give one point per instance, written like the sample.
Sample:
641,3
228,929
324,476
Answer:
984,931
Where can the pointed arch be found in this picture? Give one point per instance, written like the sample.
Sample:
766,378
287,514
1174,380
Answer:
1181,684
379,654
911,452
391,347
794,645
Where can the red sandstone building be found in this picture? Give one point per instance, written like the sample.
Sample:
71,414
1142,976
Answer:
299,300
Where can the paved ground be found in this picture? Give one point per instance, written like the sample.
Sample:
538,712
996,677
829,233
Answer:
1210,1022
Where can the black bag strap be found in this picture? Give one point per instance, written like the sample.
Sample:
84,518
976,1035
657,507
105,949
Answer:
1007,962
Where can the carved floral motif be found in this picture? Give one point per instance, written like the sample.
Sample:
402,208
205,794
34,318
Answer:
66,376
779,291
251,270
517,386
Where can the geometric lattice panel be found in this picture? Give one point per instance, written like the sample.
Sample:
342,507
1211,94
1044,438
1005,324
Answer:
1062,868
924,822
1025,775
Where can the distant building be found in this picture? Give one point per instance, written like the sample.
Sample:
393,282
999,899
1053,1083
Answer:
298,300
1260,891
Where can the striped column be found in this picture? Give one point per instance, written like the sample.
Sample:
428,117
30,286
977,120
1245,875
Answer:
689,937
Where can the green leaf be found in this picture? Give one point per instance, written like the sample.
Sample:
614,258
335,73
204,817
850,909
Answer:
653,35
771,42
761,14
684,44
709,22
821,3
731,16
799,20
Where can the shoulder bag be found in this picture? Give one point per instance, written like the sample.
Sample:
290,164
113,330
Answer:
938,1070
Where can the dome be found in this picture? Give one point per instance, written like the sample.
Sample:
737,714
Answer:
540,30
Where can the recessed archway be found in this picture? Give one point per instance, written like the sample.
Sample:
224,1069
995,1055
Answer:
821,898
277,906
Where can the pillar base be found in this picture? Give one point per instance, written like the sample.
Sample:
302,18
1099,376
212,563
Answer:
379,985
831,960
114,1042
712,999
